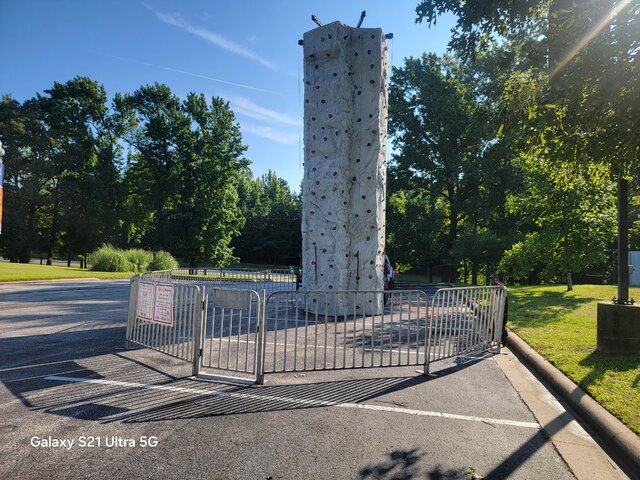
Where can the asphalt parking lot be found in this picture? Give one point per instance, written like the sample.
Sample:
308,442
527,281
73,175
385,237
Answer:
76,404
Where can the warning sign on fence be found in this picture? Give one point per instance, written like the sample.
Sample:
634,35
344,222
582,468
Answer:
144,308
163,305
155,303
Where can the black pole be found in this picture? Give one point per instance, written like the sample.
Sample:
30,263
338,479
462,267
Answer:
623,240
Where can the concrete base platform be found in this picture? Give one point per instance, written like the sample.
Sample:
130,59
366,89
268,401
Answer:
618,328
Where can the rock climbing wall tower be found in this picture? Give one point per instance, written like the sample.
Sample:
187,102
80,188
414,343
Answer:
345,142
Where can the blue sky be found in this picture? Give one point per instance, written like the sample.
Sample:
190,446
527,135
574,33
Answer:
244,51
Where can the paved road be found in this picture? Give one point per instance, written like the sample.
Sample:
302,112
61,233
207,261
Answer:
66,377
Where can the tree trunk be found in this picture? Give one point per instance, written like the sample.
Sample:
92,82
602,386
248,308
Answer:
474,273
453,224
53,233
69,259
31,227
569,282
623,240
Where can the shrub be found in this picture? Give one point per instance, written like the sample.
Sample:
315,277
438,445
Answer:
163,261
138,259
109,259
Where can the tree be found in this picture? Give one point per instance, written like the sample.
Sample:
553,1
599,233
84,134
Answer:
572,207
73,113
152,118
272,232
211,163
185,162
443,118
590,89
24,178
416,229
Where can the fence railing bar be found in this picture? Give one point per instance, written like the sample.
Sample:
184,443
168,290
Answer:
220,338
306,326
315,333
364,326
326,328
335,338
353,335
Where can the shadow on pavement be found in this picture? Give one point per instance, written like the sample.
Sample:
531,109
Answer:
132,391
404,464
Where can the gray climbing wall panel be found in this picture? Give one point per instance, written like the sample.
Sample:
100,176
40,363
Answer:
345,134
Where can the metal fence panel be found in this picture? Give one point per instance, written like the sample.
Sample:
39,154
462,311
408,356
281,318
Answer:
231,330
157,276
235,278
304,332
178,339
465,320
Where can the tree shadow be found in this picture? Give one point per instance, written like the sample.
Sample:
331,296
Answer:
601,363
403,465
538,309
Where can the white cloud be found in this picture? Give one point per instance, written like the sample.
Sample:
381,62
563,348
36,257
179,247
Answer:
248,108
215,38
270,133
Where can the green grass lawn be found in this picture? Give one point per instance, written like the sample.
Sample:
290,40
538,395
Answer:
27,271
561,326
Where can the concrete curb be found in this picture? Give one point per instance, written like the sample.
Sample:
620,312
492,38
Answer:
621,441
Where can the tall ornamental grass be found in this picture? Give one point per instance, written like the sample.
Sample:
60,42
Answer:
110,259
138,259
163,261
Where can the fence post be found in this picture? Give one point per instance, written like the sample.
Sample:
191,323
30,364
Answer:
199,319
261,337
133,302
499,324
427,347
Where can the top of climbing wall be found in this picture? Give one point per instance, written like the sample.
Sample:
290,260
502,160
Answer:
328,39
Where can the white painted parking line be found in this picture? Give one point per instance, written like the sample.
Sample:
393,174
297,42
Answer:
298,401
